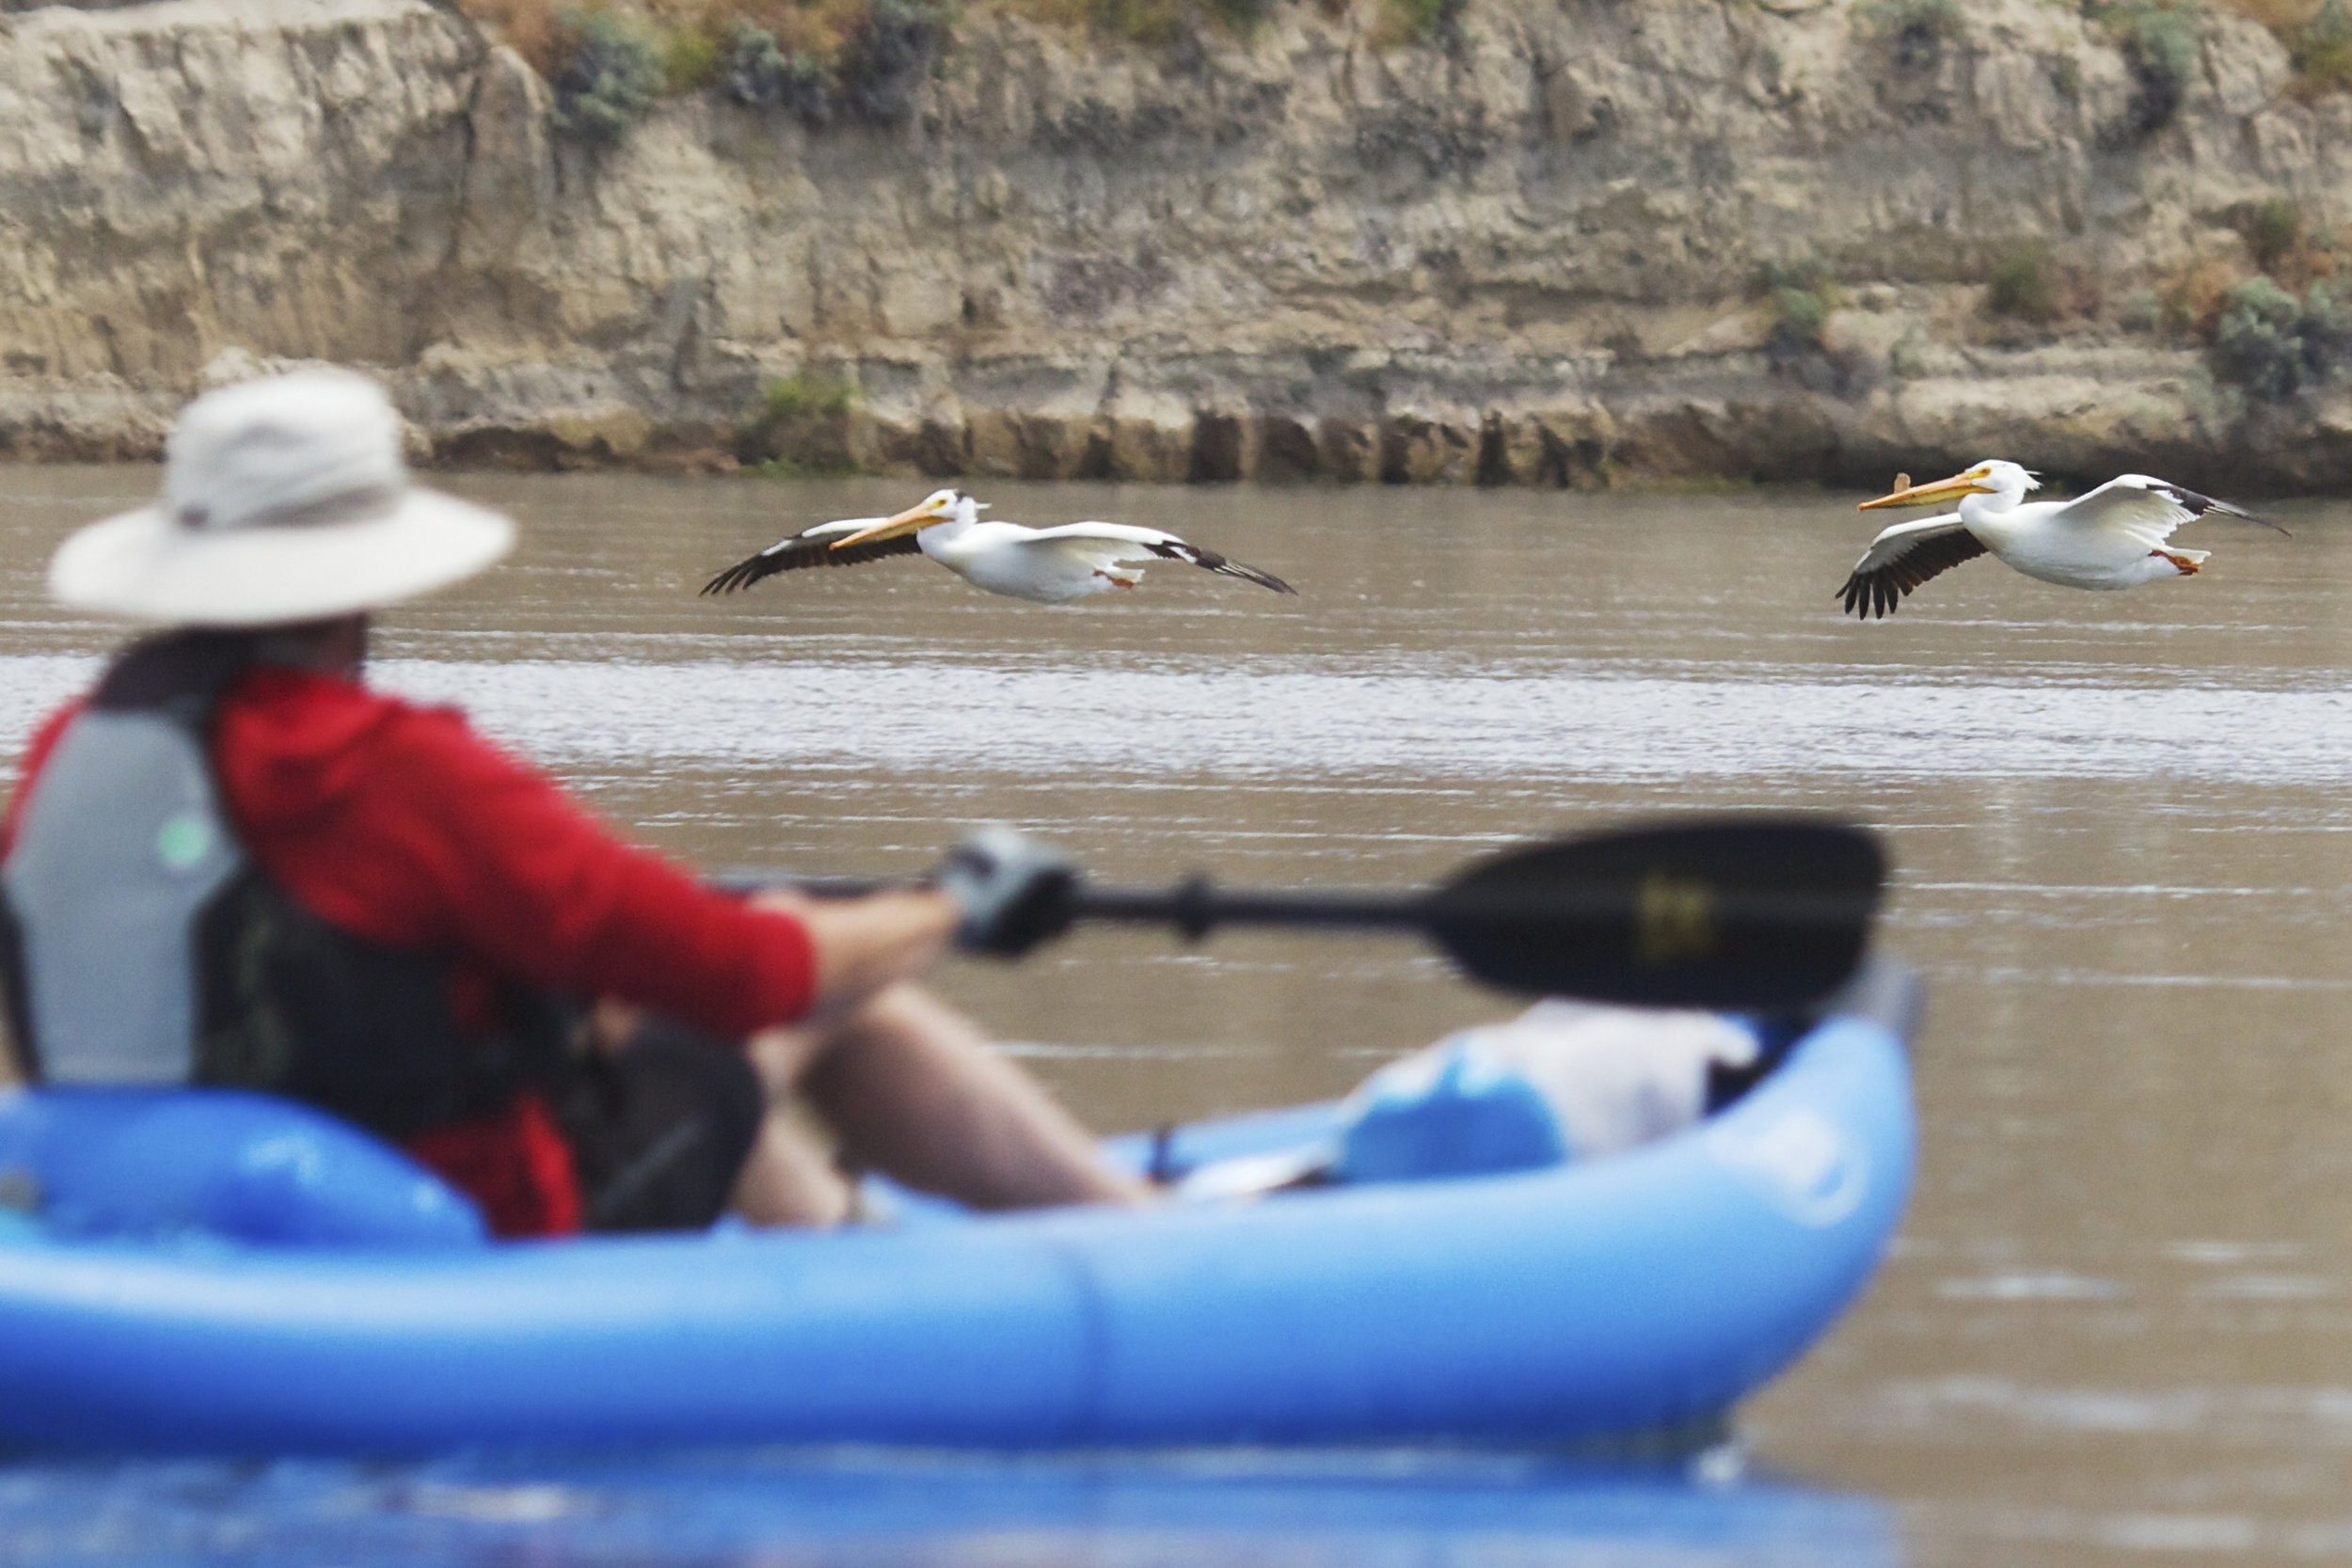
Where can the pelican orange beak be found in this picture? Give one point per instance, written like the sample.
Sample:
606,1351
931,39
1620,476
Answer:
1969,483
913,520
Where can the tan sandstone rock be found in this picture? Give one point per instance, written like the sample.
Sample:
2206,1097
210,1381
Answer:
1534,259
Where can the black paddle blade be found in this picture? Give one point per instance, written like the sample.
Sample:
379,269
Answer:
1737,914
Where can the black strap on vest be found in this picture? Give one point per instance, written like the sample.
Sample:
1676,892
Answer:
180,675
290,1003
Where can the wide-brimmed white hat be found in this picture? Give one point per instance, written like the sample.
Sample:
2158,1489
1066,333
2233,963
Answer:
284,500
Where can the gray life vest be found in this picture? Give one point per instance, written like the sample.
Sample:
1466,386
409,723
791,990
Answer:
120,851
140,944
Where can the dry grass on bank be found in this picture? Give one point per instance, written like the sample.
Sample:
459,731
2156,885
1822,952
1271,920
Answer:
692,33
527,26
2319,36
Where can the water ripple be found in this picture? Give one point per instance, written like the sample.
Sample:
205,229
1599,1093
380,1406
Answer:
1309,724
1303,724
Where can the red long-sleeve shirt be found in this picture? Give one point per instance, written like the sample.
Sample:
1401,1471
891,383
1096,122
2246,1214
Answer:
403,827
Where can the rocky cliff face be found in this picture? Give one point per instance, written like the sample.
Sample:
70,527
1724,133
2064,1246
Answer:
1527,254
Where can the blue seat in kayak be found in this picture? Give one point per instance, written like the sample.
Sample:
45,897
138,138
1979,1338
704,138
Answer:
158,1165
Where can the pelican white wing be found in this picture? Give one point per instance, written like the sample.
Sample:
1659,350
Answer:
1126,542
814,546
2148,509
1903,557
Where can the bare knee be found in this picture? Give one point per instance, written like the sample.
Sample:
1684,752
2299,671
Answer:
790,1179
782,1057
904,1009
900,1016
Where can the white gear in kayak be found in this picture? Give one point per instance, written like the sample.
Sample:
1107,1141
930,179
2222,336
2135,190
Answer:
1563,1081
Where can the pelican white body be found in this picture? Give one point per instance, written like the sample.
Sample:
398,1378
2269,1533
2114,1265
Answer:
1028,563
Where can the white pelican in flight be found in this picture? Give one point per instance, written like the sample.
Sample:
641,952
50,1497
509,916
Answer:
1048,565
2114,537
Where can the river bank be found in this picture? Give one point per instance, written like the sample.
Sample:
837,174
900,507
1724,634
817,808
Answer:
1579,243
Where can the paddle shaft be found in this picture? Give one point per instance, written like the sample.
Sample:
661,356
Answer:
1196,906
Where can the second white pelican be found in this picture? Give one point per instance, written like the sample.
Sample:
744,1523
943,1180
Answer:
1047,565
2117,536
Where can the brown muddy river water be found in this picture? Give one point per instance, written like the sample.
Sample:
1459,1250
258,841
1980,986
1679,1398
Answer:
2118,1325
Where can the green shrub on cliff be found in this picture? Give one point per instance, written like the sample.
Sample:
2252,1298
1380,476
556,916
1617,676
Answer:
1160,22
1244,16
2023,285
615,67
799,426
807,395
690,60
2272,230
888,57
2255,342
757,66
2160,48
1798,317
1801,294
1418,21
760,74
1915,31
871,76
2322,51
2275,345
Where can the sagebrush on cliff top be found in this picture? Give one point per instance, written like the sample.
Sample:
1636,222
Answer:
695,41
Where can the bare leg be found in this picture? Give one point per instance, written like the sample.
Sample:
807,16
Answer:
915,1090
789,1178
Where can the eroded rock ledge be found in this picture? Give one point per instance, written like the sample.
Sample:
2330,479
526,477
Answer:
1527,258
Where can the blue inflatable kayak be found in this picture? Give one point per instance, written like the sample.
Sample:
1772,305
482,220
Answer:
266,1309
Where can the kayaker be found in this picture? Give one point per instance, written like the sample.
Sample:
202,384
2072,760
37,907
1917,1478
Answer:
232,863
